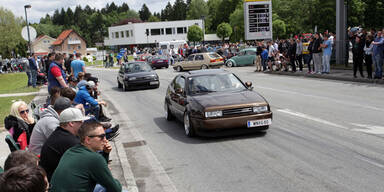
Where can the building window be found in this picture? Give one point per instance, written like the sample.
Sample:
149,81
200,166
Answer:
147,32
122,34
180,30
185,29
116,35
168,31
155,31
126,33
79,47
131,33
113,35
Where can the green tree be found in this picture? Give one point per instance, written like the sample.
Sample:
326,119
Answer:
236,20
279,29
195,33
166,13
179,10
197,9
224,30
10,30
153,19
144,13
213,19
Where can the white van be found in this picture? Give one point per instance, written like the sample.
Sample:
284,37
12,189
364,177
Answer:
166,46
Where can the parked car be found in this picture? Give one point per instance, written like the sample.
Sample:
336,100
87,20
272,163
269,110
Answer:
158,61
244,57
143,57
134,75
200,61
215,99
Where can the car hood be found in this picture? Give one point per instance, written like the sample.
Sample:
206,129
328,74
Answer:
140,74
228,98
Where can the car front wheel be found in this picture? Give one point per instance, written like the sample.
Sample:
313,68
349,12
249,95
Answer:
119,85
204,67
168,113
189,131
179,69
229,64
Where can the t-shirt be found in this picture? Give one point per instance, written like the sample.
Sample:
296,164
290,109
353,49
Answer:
328,49
55,71
80,169
54,148
77,66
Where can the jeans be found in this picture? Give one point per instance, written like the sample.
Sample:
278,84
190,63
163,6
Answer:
317,62
94,110
264,63
29,75
34,77
307,60
378,61
326,63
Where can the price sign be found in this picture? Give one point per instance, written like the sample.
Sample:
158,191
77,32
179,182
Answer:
258,19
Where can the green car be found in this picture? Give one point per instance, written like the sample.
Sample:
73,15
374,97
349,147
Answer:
244,57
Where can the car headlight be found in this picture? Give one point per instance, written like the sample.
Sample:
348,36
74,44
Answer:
131,78
155,77
214,114
260,109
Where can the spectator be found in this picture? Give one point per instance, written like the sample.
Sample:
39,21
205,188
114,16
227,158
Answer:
20,123
63,138
74,173
299,56
292,54
317,53
307,56
77,65
72,83
91,105
327,52
56,73
67,63
28,72
378,48
54,93
47,124
83,78
24,179
264,58
368,54
19,158
48,62
34,67
358,54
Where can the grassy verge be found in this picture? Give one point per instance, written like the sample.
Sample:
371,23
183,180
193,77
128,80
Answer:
15,83
97,62
6,102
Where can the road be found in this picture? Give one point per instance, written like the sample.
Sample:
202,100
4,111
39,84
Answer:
325,136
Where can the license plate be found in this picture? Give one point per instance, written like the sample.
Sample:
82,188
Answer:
153,82
258,123
160,61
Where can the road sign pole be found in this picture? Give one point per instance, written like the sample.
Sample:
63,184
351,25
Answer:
26,19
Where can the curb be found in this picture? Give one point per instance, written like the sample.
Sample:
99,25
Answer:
330,77
18,94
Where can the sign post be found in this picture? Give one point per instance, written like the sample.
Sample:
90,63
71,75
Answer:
258,19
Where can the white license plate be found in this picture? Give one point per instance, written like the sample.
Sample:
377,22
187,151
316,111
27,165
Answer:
258,123
153,82
160,61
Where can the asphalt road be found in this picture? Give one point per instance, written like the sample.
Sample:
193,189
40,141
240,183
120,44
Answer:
325,136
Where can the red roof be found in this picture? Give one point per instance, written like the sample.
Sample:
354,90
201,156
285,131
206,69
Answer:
62,37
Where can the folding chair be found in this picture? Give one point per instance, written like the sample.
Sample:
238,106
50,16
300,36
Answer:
11,143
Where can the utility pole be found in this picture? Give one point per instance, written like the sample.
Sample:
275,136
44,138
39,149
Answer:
341,33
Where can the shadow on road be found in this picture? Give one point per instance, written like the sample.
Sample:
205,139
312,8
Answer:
175,130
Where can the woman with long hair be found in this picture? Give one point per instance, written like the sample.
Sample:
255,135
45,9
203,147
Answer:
20,123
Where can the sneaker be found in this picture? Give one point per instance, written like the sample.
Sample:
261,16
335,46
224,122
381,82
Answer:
111,136
104,119
106,125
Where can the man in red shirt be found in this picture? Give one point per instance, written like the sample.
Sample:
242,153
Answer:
56,73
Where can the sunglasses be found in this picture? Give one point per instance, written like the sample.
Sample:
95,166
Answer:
25,111
101,136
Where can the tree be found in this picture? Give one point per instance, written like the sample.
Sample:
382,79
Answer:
153,19
166,14
278,28
197,8
213,19
236,20
10,30
179,10
144,13
123,8
224,30
195,33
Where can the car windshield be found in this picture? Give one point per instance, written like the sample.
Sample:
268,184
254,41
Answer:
137,67
214,83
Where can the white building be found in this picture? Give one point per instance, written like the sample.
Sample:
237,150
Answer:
136,33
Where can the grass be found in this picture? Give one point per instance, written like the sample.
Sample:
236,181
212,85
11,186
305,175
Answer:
15,83
97,62
6,102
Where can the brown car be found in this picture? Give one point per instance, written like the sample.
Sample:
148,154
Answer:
200,61
215,99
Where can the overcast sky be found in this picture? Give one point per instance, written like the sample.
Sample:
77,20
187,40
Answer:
41,7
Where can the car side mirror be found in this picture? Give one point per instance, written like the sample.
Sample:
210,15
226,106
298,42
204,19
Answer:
179,90
248,84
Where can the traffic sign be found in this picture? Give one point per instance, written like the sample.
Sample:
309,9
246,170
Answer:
32,33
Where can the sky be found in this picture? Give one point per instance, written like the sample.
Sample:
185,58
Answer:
42,7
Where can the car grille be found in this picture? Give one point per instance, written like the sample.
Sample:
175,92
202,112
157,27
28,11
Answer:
229,112
144,78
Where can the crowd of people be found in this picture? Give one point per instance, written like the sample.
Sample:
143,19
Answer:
63,144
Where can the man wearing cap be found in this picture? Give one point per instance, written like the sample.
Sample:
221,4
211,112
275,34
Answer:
63,138
91,105
81,167
47,124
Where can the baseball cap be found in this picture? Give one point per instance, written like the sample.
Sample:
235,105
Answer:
91,84
71,114
61,103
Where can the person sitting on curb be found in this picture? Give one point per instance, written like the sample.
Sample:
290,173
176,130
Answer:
19,158
83,97
63,138
47,124
74,172
24,179
20,123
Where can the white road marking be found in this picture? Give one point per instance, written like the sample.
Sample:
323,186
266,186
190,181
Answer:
324,98
304,116
371,129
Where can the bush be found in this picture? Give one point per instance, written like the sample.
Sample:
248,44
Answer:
94,58
85,59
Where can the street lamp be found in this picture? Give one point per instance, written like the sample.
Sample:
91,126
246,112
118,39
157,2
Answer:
26,19
203,19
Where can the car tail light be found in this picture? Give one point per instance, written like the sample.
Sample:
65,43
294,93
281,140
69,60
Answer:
153,62
213,60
